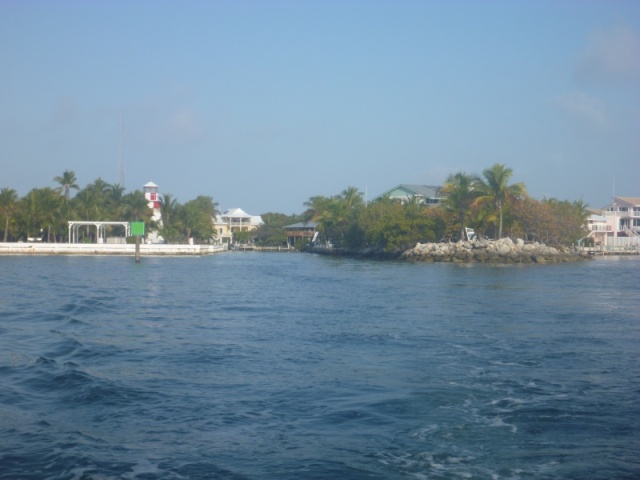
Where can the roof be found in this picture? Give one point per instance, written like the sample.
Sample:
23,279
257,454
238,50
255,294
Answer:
635,201
632,201
410,190
236,213
150,184
295,226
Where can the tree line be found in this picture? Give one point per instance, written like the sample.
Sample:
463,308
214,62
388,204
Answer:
43,213
488,203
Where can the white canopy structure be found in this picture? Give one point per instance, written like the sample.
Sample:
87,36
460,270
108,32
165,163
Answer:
100,230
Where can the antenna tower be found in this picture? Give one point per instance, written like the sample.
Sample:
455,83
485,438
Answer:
122,149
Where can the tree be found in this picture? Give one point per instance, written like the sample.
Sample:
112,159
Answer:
242,237
50,204
8,207
168,208
495,190
392,226
271,232
333,214
318,210
351,198
461,190
136,207
67,181
31,213
86,205
198,218
170,222
115,197
551,221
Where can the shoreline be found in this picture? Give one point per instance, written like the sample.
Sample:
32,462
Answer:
503,251
91,249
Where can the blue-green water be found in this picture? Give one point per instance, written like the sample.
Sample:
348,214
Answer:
296,366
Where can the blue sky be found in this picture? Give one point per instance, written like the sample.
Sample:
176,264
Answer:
263,104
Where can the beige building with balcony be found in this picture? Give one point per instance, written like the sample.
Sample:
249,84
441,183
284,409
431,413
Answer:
234,220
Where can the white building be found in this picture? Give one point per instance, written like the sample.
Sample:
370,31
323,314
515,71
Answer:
234,220
617,224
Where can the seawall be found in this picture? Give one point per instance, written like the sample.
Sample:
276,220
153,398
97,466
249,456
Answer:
106,249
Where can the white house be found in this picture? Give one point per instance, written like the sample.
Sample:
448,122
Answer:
234,220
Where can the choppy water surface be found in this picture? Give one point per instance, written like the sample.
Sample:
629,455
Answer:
294,366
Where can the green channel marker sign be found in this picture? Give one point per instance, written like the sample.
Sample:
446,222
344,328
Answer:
137,229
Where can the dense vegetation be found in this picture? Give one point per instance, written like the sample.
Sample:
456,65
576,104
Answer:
43,213
486,203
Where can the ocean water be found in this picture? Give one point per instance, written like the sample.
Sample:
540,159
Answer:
296,366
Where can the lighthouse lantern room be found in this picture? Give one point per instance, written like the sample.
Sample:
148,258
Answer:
150,190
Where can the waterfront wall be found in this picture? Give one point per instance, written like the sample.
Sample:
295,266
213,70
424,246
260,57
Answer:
106,249
504,250
478,251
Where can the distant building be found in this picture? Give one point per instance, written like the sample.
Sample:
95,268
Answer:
234,220
616,224
409,193
296,231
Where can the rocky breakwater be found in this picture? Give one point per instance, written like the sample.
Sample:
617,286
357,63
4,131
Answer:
504,250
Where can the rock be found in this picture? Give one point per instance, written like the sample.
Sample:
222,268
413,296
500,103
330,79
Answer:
498,251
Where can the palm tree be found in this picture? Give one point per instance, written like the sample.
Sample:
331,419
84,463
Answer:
324,210
495,190
136,207
67,181
460,189
50,205
32,212
115,195
8,207
99,187
86,206
351,197
170,212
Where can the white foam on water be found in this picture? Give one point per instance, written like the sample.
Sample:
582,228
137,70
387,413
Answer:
498,422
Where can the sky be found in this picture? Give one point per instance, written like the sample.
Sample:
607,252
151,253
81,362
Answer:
264,104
